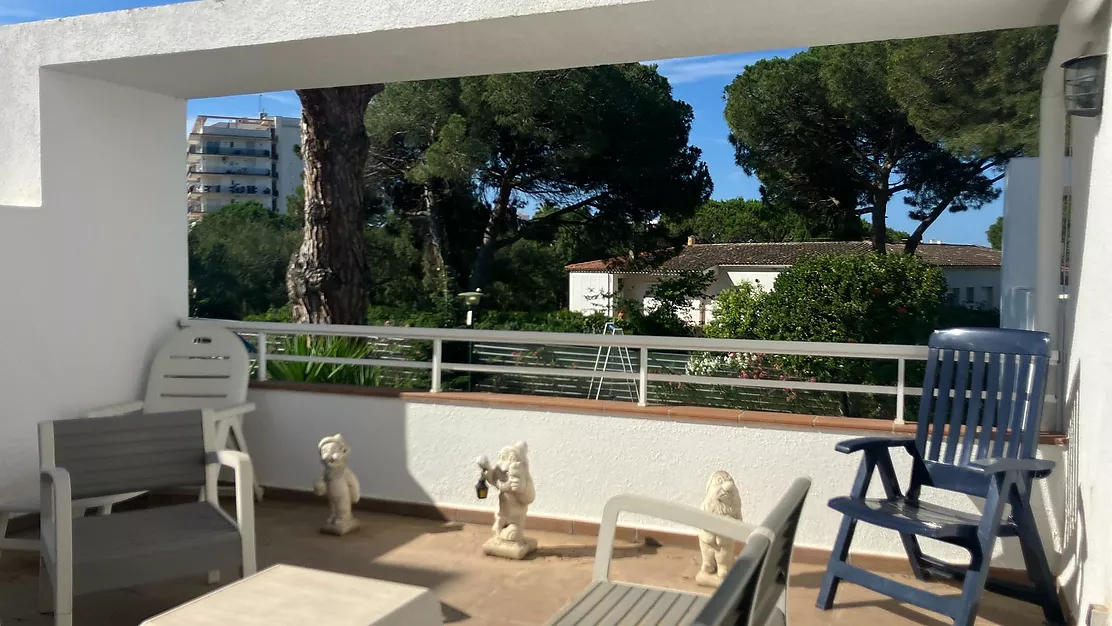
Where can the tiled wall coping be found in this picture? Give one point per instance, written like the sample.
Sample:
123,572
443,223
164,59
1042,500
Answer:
609,407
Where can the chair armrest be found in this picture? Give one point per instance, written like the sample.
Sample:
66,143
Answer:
871,444
1039,468
662,509
56,517
119,409
245,485
239,409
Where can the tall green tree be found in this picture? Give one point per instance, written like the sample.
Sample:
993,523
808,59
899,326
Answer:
537,151
976,93
995,234
823,131
237,261
740,220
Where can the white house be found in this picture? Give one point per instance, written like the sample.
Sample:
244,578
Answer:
972,272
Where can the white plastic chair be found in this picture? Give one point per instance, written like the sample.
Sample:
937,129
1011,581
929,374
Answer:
201,367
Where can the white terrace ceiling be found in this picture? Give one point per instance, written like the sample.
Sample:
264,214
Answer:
223,47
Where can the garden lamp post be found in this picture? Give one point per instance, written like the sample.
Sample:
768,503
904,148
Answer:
471,299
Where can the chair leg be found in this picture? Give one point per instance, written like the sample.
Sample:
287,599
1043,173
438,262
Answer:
1034,557
892,491
235,428
829,587
973,587
840,553
4,517
46,589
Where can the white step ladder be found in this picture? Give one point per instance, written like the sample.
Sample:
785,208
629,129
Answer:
623,359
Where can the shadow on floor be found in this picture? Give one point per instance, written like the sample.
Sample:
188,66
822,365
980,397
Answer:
992,606
588,551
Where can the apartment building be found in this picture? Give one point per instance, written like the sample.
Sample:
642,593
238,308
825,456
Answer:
242,159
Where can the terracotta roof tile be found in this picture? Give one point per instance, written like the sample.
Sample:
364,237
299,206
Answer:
707,255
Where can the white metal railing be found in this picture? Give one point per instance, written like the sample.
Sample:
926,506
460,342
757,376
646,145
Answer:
643,344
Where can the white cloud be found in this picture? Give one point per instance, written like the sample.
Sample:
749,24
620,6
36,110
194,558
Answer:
692,70
283,97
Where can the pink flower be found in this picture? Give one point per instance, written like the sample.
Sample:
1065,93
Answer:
813,379
744,374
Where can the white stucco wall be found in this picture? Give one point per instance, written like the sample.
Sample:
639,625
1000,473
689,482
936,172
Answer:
413,452
977,278
92,282
1088,404
1019,262
586,291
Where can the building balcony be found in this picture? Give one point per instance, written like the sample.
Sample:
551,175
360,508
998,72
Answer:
603,415
211,132
223,151
214,170
231,190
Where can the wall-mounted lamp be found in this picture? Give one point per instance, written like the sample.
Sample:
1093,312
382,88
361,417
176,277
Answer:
1084,88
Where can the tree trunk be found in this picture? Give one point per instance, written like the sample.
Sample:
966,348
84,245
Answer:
480,270
880,226
437,276
326,276
499,216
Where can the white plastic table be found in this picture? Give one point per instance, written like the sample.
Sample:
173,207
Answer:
285,595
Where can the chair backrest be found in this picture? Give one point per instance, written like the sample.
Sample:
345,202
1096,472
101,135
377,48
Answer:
200,367
134,452
753,590
991,381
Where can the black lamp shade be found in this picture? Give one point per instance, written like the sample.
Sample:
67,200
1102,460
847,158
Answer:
481,489
1084,89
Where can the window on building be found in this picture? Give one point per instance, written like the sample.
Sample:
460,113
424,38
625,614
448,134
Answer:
988,297
955,295
970,294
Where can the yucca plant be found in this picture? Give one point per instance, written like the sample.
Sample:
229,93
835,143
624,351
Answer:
332,347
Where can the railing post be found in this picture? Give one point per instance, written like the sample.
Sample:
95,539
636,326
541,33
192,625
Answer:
437,364
900,391
643,379
261,373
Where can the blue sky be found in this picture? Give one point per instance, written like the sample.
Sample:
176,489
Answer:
697,81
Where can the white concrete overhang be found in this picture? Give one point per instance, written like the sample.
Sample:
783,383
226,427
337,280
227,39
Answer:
224,47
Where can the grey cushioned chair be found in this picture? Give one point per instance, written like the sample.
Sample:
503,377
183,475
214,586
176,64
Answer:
91,457
754,592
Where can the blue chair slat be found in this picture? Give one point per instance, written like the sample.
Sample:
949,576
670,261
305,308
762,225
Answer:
974,416
991,382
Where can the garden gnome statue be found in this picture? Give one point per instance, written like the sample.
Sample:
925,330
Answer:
722,498
511,477
339,484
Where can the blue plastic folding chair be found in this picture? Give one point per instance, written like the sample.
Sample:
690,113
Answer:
977,435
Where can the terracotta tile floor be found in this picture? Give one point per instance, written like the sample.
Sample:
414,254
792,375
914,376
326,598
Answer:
475,590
